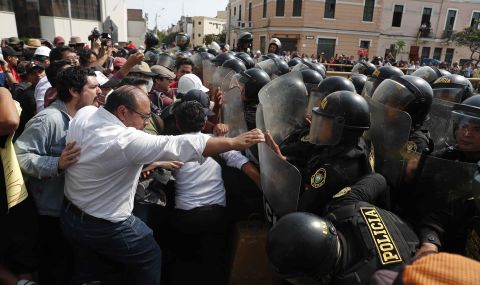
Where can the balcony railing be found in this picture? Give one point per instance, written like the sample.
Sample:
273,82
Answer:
425,32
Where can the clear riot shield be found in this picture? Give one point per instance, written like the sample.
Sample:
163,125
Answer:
232,112
389,132
283,100
259,122
209,69
227,81
197,60
269,66
280,183
437,124
219,76
314,99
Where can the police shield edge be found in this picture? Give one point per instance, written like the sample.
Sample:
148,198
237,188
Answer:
208,71
438,121
232,112
389,133
283,100
280,183
269,66
219,78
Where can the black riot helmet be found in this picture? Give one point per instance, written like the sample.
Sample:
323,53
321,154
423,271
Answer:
303,246
245,41
340,118
311,78
151,57
378,76
408,93
221,58
246,58
427,73
202,49
165,59
326,87
234,64
453,88
358,81
282,66
364,67
440,72
320,68
251,81
182,40
294,61
151,40
212,51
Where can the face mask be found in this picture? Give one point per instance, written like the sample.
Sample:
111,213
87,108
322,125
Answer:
150,84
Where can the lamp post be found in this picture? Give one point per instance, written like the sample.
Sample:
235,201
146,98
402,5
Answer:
157,15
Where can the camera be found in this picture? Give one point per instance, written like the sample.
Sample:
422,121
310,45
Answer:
94,35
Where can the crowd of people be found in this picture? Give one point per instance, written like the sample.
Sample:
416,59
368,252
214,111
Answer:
125,165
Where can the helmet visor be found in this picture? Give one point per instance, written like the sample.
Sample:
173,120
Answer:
238,81
448,94
358,68
426,73
325,130
393,94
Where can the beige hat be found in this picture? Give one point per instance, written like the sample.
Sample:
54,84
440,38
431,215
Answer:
75,40
162,71
142,68
33,43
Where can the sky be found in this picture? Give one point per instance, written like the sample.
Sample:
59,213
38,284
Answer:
170,11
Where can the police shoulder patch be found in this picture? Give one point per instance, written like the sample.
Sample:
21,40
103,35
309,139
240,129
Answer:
386,249
410,147
305,138
318,178
324,103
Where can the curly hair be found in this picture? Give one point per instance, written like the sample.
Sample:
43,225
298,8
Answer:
75,78
190,117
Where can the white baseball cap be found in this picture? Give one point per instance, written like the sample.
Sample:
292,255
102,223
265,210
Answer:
43,51
190,81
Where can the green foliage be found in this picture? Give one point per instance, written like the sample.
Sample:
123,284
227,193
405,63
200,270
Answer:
220,38
170,38
470,38
398,47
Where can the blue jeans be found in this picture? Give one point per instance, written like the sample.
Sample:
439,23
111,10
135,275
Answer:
129,244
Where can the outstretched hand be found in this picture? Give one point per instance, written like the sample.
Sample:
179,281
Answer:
248,139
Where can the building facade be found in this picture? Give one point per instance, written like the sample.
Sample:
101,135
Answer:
354,27
50,18
136,26
206,26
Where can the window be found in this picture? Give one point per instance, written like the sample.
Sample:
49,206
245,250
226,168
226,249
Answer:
199,23
297,8
329,9
85,9
397,16
234,11
437,53
240,12
326,46
475,20
368,10
425,52
280,12
199,35
6,5
450,23
449,55
250,11
57,8
365,44
427,13
264,8
263,41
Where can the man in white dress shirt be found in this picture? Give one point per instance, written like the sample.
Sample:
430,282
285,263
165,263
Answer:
100,187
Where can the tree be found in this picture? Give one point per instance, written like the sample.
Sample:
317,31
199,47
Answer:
470,38
220,38
161,36
398,47
170,38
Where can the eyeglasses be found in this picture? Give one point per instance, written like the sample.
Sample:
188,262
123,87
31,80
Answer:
145,117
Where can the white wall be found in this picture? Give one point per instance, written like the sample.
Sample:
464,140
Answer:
56,26
8,27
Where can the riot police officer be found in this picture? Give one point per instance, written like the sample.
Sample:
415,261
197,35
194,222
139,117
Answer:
353,240
182,40
275,46
151,54
427,73
246,58
244,42
221,58
453,88
378,76
358,81
235,64
333,155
